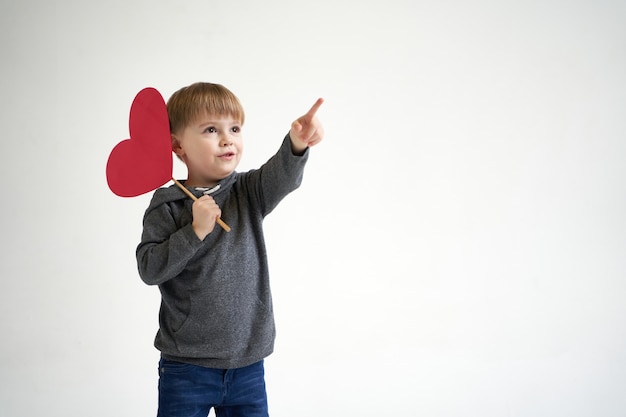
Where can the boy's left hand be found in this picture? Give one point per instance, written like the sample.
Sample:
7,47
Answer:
307,130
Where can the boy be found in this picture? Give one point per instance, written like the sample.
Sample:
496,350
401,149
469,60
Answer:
216,321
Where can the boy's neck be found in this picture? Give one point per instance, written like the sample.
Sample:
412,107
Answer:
198,184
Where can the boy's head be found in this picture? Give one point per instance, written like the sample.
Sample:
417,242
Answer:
195,100
205,125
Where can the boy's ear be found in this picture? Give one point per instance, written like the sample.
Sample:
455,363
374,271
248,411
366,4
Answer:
176,148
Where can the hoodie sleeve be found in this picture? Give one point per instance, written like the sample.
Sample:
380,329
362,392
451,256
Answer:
165,249
279,176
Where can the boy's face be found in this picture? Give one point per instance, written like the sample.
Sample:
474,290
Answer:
211,147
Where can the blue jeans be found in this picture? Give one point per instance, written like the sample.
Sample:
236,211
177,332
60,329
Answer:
191,391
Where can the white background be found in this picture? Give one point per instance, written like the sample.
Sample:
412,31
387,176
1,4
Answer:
457,248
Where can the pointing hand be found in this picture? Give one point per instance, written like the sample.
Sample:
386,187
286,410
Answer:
307,130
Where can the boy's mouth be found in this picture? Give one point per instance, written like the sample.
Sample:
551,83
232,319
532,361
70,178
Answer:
227,155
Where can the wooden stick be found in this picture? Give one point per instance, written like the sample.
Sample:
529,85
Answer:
194,198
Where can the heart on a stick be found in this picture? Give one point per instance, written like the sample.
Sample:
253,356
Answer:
143,163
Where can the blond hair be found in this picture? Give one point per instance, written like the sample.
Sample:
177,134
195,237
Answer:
188,103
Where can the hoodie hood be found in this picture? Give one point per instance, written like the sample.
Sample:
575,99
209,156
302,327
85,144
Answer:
173,193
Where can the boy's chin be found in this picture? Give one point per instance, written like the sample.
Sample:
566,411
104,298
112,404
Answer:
225,175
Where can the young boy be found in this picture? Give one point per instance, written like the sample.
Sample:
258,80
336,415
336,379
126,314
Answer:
216,321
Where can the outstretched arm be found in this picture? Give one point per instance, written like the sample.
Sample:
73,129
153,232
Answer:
307,130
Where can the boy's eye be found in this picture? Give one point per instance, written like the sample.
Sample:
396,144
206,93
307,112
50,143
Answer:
235,129
210,129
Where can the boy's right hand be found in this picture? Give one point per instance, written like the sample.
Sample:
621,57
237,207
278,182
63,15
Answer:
205,212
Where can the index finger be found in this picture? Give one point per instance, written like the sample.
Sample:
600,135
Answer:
311,113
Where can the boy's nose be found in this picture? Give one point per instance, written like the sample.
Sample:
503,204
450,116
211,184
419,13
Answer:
226,140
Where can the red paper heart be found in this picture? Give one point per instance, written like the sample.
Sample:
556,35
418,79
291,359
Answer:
142,163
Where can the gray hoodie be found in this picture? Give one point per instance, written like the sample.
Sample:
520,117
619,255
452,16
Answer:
216,305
